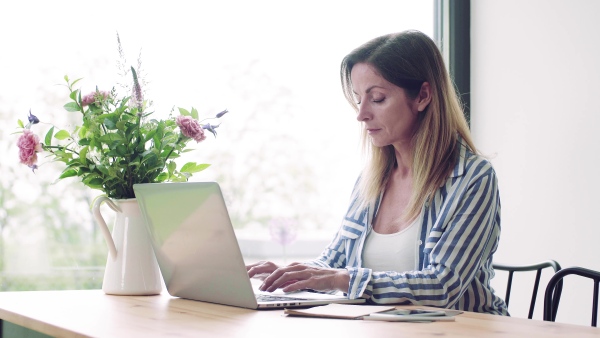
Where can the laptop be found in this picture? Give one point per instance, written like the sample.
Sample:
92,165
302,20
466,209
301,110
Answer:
198,253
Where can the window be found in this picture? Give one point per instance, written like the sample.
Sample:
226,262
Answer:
288,150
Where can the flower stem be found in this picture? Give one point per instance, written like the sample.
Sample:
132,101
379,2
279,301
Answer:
170,152
59,148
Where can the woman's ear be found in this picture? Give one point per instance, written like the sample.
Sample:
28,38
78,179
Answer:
424,97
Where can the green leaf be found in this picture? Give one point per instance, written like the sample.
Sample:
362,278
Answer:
179,179
121,125
103,170
110,124
192,167
194,113
121,150
82,155
82,131
74,82
93,182
171,166
96,182
140,147
162,177
128,116
68,173
133,165
150,135
201,167
84,170
62,134
112,116
110,137
173,155
150,159
73,95
20,123
95,109
63,156
72,106
123,102
110,120
184,112
188,166
48,139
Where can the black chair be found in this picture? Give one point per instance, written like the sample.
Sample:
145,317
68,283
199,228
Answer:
534,267
550,300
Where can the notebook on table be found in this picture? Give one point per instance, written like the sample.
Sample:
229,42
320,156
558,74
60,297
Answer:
198,253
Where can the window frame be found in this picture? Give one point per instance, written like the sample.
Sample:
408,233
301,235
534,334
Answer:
452,31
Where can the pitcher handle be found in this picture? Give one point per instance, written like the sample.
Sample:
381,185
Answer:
112,249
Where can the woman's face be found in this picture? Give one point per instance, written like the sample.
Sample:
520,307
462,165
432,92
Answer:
388,114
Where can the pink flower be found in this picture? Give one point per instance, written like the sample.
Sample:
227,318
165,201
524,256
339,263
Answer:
93,97
29,145
137,98
190,127
283,230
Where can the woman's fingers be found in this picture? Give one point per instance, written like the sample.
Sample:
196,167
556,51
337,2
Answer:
298,285
322,280
284,277
261,269
297,276
278,280
270,283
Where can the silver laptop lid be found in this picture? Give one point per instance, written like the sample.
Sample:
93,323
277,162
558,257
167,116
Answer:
194,242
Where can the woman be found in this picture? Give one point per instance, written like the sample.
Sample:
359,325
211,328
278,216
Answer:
424,218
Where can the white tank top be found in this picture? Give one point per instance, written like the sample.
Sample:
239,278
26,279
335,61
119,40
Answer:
392,252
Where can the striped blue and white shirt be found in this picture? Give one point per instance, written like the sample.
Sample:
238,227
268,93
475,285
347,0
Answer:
459,233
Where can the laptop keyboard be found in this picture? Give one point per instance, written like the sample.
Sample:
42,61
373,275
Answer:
270,298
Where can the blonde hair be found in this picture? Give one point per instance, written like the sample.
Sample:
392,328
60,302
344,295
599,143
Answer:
409,59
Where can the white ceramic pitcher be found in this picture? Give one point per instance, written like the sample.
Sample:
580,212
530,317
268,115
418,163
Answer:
131,267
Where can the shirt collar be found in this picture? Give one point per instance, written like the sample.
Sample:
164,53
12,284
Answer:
463,156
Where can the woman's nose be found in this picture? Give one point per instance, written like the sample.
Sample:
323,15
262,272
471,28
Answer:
363,114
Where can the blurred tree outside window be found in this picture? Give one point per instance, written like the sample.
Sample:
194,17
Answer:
289,149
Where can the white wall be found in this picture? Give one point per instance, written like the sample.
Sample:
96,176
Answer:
535,85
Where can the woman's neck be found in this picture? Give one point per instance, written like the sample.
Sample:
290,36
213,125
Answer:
404,160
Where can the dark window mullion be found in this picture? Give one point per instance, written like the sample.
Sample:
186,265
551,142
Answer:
456,44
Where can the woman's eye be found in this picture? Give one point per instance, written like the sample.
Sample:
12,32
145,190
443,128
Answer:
378,100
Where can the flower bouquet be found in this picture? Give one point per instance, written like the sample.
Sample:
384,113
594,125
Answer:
117,144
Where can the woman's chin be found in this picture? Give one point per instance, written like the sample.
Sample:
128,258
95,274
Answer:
379,144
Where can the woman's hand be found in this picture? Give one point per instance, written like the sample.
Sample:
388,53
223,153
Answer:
261,270
298,276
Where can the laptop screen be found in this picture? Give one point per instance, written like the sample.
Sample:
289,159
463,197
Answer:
194,242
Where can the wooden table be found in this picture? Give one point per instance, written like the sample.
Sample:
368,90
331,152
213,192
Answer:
92,313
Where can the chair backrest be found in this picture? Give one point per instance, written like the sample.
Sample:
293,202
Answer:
533,267
550,300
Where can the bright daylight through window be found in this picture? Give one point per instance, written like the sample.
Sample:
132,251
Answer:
286,158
